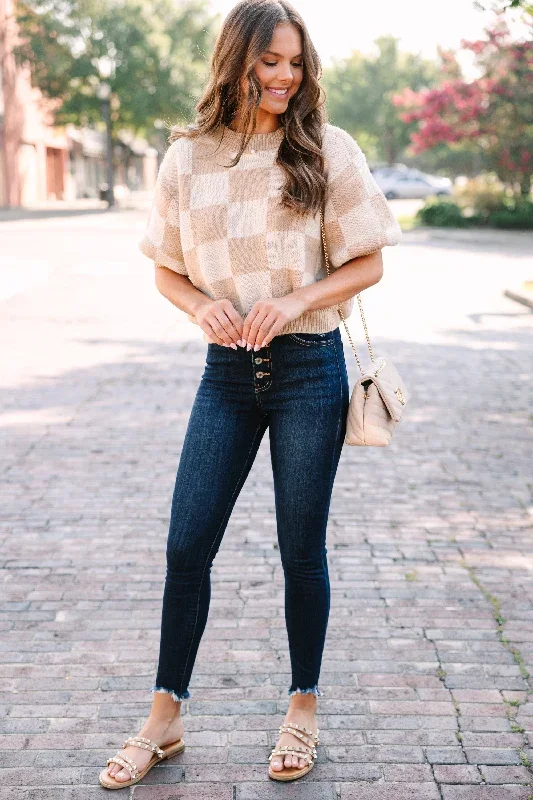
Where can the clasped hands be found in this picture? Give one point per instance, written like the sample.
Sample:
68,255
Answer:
224,325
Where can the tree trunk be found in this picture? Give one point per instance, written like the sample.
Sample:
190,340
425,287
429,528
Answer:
388,145
525,186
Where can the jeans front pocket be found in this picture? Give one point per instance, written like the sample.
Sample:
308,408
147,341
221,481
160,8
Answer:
314,339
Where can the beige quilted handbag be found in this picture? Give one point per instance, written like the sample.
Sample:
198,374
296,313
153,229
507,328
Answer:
379,396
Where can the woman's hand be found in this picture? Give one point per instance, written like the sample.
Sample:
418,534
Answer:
220,321
267,317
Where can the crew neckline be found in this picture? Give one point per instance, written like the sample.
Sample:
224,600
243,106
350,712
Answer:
258,141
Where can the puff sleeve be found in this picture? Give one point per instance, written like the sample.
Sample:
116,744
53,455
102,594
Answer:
161,241
357,216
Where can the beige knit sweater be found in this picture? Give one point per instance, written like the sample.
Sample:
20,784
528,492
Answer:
226,230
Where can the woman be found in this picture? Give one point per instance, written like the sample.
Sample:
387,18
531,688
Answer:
234,233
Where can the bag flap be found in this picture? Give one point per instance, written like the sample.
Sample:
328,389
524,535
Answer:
389,384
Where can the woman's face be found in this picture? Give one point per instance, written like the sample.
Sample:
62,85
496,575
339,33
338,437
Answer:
280,68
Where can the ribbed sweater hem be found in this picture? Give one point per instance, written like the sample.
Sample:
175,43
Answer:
319,320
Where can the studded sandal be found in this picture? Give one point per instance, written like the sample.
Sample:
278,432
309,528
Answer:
159,753
307,751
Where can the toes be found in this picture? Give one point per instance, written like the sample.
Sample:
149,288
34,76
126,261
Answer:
123,775
288,761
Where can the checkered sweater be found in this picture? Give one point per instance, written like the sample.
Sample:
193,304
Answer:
226,230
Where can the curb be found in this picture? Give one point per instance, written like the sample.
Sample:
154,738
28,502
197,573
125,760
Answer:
520,297
138,202
470,236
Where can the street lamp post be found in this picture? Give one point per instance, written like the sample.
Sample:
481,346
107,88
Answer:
104,93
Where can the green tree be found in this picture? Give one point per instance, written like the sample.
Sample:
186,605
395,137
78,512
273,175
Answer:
504,5
360,91
156,50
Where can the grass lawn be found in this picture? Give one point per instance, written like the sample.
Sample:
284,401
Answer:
407,222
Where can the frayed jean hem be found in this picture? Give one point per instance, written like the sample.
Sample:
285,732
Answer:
313,690
177,697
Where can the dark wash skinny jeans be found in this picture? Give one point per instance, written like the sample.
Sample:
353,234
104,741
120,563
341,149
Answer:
297,386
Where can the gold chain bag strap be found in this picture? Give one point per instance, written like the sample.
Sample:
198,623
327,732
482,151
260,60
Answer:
379,396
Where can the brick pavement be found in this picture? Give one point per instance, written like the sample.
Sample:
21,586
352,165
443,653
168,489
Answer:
426,673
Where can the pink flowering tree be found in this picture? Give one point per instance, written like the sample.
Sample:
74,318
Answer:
494,111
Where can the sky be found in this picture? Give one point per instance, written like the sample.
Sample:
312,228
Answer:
339,26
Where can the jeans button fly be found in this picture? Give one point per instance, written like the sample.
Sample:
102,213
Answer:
260,374
258,360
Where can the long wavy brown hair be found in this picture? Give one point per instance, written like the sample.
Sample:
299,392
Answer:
245,35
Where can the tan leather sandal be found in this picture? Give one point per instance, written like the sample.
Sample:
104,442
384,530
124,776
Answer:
307,752
125,761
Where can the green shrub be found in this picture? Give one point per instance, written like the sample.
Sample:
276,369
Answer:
509,213
476,220
442,214
514,216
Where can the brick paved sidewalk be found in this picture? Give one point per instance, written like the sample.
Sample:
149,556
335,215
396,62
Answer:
426,675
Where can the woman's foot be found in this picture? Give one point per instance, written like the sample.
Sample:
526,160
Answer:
164,726
302,711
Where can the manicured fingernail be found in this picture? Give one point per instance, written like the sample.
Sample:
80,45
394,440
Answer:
257,347
233,345
239,342
248,346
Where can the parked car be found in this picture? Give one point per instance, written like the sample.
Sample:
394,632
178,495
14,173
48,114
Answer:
404,183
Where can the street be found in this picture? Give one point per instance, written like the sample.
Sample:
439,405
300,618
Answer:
428,668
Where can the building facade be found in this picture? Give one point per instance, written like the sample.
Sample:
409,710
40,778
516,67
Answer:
42,163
